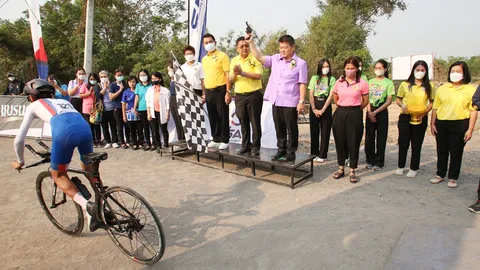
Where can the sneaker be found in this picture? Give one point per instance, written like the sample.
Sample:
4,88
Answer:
243,150
399,171
213,144
115,145
255,152
369,166
319,160
347,162
411,173
436,180
108,145
278,155
377,168
452,183
92,218
223,146
475,208
290,157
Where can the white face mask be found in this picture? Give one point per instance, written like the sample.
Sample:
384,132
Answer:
419,75
170,73
189,57
119,78
379,72
143,78
11,79
325,71
456,77
82,77
210,47
104,80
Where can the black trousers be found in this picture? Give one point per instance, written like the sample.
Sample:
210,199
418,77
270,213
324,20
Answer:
122,128
95,128
135,133
77,104
176,118
286,128
218,114
320,128
198,91
376,139
348,133
156,126
109,127
249,110
410,134
145,125
450,143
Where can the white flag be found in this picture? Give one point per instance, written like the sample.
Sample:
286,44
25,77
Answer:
197,26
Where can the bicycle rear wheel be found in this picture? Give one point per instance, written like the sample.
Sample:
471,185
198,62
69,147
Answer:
134,226
63,212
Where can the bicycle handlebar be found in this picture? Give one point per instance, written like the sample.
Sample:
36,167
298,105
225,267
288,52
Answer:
44,155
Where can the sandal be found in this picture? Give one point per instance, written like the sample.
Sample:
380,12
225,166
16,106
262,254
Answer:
339,174
353,178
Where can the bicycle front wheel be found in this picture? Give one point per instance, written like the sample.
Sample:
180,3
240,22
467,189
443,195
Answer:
62,211
134,226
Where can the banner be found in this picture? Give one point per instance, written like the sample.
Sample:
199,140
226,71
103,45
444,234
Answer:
269,137
12,110
38,48
402,65
197,26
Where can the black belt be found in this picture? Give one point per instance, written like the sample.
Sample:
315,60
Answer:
320,98
246,94
218,88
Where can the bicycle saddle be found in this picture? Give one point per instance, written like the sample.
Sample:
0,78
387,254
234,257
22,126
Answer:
95,156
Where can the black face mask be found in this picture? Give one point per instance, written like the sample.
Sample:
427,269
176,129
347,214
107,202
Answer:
155,82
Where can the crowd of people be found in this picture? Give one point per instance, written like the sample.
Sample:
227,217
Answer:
133,112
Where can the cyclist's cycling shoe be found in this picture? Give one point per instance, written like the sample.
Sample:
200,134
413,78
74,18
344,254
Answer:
109,217
94,221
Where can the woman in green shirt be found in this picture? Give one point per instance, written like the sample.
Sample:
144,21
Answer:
320,87
381,95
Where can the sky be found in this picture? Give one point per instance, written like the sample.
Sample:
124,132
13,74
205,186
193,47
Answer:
444,27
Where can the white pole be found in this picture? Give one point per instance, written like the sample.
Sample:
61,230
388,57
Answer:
87,57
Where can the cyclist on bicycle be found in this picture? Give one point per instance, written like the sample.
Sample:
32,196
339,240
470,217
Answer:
69,130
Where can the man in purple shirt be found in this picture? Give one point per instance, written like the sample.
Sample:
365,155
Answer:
286,90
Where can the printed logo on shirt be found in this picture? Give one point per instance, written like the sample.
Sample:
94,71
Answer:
321,89
376,91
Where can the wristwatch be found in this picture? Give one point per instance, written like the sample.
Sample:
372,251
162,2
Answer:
301,101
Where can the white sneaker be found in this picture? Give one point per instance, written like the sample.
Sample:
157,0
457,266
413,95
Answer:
115,145
319,160
411,174
213,144
108,145
436,180
223,146
399,171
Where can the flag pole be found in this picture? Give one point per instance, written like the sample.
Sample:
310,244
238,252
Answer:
188,25
87,55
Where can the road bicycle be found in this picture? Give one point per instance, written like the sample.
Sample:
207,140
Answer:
128,218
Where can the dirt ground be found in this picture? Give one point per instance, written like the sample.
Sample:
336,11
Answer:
216,220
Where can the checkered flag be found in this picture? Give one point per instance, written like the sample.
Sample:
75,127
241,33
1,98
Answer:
190,110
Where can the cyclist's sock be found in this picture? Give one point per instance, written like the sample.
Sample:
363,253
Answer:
78,198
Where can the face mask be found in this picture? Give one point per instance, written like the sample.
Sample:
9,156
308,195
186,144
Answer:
82,77
93,82
143,78
189,57
155,82
325,71
11,79
419,75
379,72
104,80
350,73
456,77
210,47
170,73
119,78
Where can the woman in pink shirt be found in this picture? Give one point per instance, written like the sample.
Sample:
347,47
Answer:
87,94
351,95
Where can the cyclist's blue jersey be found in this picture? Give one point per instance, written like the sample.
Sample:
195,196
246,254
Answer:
69,130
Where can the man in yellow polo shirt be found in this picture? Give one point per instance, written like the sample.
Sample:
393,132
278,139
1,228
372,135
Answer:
216,66
246,74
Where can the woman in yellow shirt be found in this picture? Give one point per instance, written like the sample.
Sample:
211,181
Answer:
415,97
453,120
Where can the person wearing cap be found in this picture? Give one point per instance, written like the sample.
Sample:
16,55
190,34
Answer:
14,86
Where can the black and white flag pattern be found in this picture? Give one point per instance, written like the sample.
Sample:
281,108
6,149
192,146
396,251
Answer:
191,111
